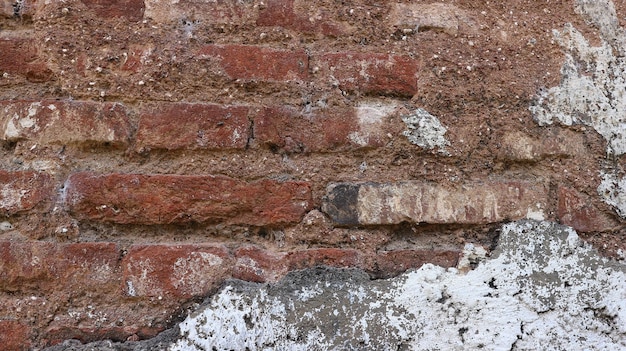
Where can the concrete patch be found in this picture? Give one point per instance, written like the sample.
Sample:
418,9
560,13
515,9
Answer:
541,289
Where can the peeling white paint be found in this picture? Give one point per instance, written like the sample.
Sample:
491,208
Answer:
425,130
593,89
542,289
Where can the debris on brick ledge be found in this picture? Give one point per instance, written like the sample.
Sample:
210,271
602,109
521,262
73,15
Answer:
542,288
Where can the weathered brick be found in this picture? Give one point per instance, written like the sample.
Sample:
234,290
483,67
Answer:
131,10
248,62
174,270
14,336
577,211
65,122
391,263
206,12
21,57
24,190
85,334
439,17
193,126
414,201
162,199
370,73
257,265
338,129
283,13
47,266
332,257
552,142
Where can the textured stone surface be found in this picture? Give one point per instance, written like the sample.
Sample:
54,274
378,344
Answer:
24,190
379,203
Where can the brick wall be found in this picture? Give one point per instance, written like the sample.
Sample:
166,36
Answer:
151,150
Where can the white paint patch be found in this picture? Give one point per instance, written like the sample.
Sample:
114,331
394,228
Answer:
593,89
425,130
371,116
542,289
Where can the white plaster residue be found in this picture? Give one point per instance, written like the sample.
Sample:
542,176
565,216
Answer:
541,289
425,130
11,131
10,197
371,116
192,274
593,88
613,190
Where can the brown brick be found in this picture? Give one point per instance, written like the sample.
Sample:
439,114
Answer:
47,266
370,73
577,211
131,10
205,12
282,13
250,62
391,263
162,199
14,336
193,126
174,270
65,122
332,257
415,201
257,265
21,57
24,190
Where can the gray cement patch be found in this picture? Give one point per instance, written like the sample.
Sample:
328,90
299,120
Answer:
541,289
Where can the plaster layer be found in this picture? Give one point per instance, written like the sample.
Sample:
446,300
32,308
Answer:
542,288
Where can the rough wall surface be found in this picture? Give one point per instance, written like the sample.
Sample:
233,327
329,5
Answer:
152,150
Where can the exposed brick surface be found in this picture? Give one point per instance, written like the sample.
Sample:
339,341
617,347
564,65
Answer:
257,265
283,13
65,122
193,126
131,10
250,62
162,199
577,211
14,336
40,266
21,57
24,190
174,270
370,73
376,203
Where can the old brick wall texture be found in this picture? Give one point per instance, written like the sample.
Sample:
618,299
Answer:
151,149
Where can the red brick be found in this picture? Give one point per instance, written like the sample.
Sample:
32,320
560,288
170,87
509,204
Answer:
281,13
65,122
257,265
131,10
21,57
577,211
193,126
174,270
391,263
23,191
370,73
47,266
163,199
327,130
332,257
14,336
249,62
